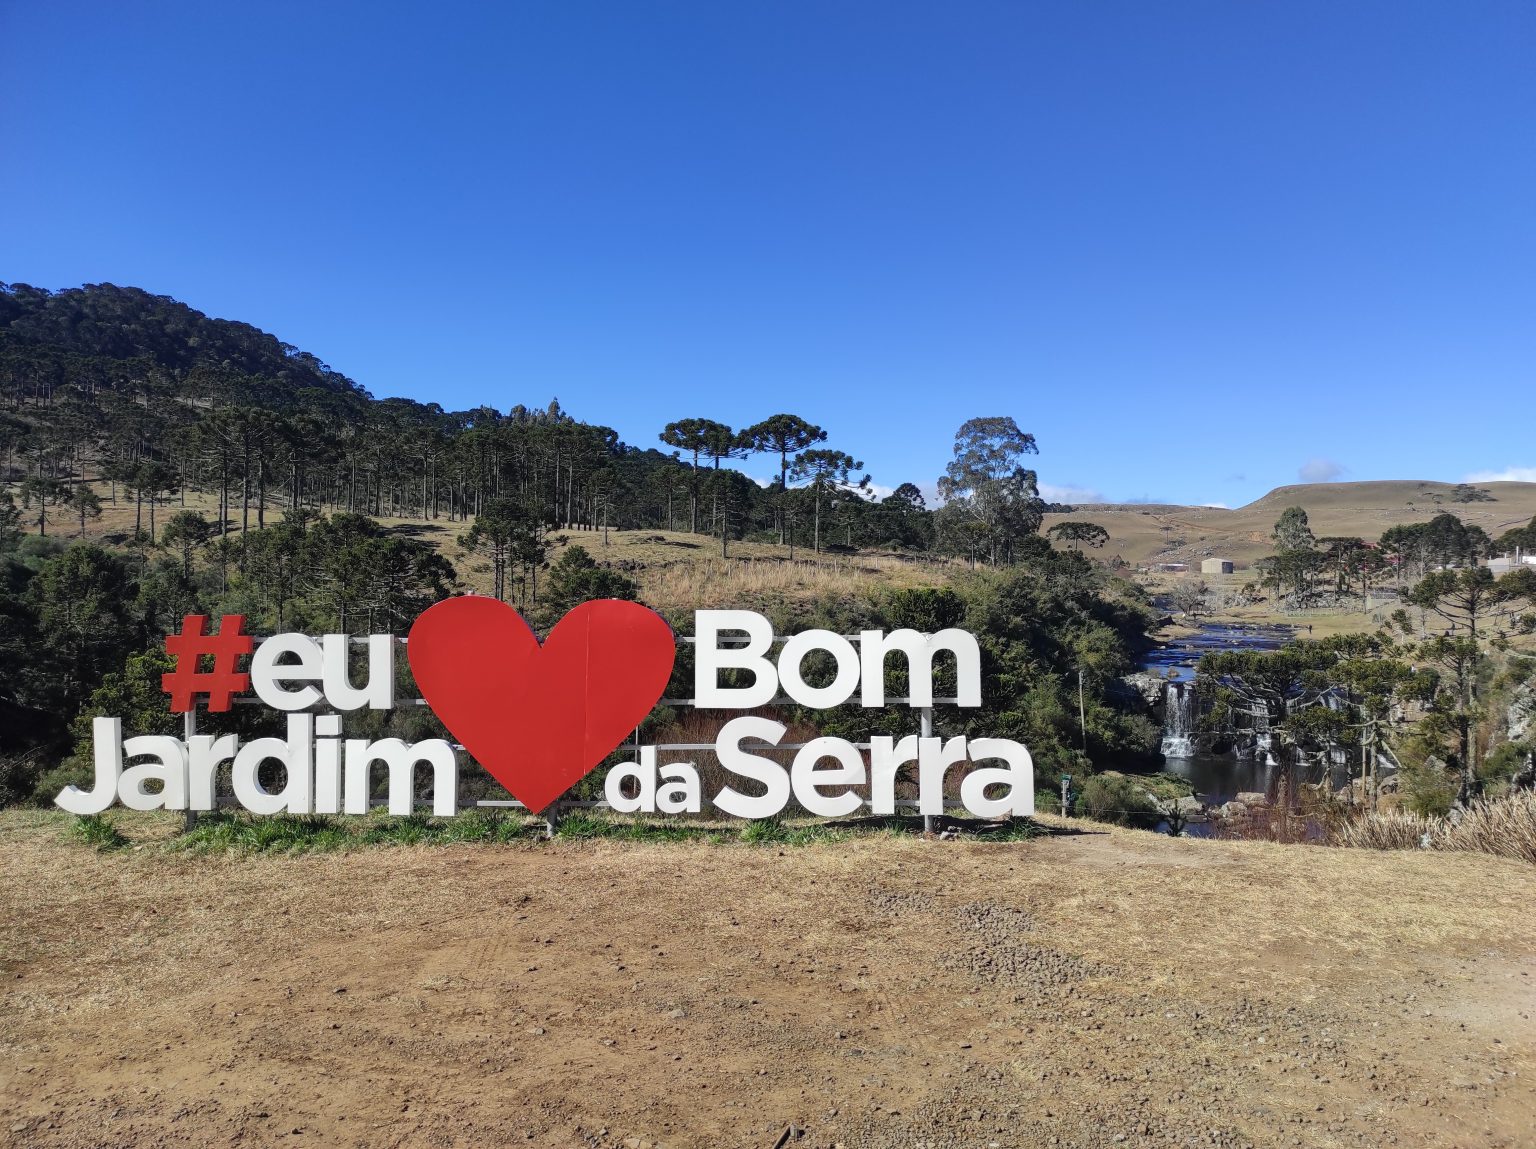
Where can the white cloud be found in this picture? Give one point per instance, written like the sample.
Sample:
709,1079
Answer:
1507,475
1069,493
1215,506
1320,471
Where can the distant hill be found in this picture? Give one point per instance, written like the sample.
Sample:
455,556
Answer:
1145,533
116,334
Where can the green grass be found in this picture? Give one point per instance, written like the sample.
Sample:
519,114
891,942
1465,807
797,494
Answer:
288,834
228,831
98,831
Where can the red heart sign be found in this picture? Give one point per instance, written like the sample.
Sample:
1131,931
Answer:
539,718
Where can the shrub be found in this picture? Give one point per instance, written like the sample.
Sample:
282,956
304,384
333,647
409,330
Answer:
1112,798
1502,762
1428,786
48,785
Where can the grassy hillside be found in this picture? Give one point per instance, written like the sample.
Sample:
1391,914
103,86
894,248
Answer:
1156,533
675,569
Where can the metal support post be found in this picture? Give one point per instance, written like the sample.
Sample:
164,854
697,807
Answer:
925,719
188,732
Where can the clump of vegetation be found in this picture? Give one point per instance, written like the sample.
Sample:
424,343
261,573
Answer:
98,831
1114,798
292,834
1394,830
1504,827
1466,493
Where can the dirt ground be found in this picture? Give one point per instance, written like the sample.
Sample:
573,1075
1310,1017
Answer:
1100,989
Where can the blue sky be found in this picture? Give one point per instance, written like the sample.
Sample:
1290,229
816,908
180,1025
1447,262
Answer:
1198,249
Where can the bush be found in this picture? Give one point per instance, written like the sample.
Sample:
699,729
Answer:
1501,764
72,772
575,577
1428,787
926,609
1112,798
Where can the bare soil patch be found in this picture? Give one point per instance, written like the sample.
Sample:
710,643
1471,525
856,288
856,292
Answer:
1107,989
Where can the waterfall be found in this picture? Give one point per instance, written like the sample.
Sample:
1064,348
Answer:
1263,737
1178,719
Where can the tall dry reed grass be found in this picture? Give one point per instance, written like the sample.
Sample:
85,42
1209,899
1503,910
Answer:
1391,831
1504,827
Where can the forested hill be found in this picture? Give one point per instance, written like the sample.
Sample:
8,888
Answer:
125,339
106,388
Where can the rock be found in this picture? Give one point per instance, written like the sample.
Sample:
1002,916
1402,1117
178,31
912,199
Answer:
1252,798
1189,804
1149,686
1232,810
1522,713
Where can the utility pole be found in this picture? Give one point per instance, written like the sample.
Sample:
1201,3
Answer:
1082,713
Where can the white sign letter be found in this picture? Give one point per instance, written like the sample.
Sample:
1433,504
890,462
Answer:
765,770
920,650
1018,776
843,683
379,694
807,779
644,774
268,676
107,746
709,660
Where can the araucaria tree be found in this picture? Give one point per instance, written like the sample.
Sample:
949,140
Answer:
1481,612
991,499
1077,535
722,443
784,436
1293,569
823,470
692,437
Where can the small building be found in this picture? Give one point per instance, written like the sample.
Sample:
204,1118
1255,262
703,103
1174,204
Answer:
1173,568
1216,566
1510,562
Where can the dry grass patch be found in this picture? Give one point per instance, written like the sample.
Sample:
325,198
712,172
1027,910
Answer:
718,583
1504,827
871,991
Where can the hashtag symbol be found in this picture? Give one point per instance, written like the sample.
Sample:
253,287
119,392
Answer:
221,682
